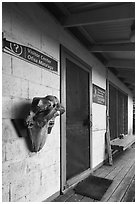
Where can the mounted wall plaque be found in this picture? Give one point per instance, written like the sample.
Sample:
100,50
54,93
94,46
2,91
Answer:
29,54
99,95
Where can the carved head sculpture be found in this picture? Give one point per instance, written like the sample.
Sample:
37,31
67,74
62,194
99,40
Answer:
41,117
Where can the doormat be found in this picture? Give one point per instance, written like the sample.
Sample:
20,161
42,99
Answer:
93,187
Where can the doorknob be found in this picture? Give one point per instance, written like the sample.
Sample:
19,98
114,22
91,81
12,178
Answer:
87,122
90,123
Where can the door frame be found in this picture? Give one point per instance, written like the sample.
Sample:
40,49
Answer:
65,53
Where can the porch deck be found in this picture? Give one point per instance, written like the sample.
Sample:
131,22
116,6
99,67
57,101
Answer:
122,172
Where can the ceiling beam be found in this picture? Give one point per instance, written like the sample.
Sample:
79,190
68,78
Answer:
87,35
103,15
131,84
125,64
129,79
115,42
126,76
90,39
80,28
75,7
112,47
63,9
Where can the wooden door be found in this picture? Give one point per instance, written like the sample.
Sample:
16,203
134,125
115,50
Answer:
76,125
113,112
122,113
118,112
125,114
77,120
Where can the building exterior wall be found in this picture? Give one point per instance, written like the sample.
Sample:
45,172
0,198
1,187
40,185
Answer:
99,123
27,176
31,176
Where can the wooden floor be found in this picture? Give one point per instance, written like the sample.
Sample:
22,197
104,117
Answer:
122,172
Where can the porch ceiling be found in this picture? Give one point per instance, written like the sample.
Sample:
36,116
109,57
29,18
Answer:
107,30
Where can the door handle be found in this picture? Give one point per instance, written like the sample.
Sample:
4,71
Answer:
87,123
90,124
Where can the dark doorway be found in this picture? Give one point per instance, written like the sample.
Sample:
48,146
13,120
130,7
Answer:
118,112
77,120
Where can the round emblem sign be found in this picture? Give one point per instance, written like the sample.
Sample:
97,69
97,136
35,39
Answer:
16,48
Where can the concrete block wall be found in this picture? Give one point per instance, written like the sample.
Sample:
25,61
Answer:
27,176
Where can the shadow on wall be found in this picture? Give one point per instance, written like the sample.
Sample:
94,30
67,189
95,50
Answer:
19,122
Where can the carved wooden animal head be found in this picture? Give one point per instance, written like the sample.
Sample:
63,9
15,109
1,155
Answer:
42,115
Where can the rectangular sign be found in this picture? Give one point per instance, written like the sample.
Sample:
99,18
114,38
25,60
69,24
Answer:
30,55
99,95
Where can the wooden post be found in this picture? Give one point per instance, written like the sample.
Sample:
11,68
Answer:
109,150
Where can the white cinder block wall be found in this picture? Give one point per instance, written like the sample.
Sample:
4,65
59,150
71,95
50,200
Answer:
27,176
36,176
